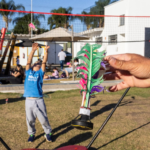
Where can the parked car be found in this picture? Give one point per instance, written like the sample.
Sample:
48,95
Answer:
68,57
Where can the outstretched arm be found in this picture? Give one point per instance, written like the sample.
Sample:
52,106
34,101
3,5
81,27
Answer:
34,48
45,58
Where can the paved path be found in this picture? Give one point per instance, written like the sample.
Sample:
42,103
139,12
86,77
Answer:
48,87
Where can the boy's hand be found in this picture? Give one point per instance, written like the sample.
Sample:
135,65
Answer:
46,48
35,46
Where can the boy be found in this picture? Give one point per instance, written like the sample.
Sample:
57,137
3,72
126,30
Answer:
34,104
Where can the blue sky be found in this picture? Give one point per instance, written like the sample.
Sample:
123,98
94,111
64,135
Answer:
47,5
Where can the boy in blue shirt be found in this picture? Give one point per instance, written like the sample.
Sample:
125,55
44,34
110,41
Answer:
34,104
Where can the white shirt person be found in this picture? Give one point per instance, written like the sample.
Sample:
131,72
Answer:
62,56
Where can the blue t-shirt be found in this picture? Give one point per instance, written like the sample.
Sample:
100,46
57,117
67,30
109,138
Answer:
33,83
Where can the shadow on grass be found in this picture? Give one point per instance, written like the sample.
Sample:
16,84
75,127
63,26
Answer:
107,108
21,98
123,135
68,128
96,103
40,143
11,100
48,93
77,139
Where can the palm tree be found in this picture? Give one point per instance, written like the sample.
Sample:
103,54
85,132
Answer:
100,6
22,23
11,6
98,9
87,20
60,21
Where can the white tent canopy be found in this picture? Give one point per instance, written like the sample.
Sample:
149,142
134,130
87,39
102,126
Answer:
59,34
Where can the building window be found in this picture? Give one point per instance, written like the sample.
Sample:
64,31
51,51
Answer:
99,40
112,39
122,20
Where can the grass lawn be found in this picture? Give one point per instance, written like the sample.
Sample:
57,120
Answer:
128,129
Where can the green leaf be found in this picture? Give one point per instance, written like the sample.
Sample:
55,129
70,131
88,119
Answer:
81,76
95,83
84,59
98,57
86,47
83,52
82,71
96,46
98,79
93,93
83,90
95,69
99,53
82,65
95,63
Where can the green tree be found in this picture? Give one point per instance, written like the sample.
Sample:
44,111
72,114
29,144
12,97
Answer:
11,6
98,9
87,20
22,23
60,21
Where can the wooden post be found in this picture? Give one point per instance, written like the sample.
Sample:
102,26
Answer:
14,37
4,55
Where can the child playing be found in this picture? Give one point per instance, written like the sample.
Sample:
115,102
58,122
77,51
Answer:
34,104
55,75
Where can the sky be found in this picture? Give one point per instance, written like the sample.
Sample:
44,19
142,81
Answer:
47,5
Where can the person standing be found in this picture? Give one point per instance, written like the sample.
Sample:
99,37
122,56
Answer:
34,103
62,56
17,60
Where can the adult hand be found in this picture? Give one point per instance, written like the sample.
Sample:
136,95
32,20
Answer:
133,69
35,46
46,48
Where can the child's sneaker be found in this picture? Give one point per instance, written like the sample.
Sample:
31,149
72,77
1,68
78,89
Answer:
31,138
48,137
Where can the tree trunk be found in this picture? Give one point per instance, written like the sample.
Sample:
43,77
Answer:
101,23
6,24
10,54
29,30
4,55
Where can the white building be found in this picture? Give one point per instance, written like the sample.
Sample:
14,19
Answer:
125,34
94,35
125,30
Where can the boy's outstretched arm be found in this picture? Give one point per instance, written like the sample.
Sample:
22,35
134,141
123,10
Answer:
34,48
45,58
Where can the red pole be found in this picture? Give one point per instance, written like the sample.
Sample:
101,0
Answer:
3,31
